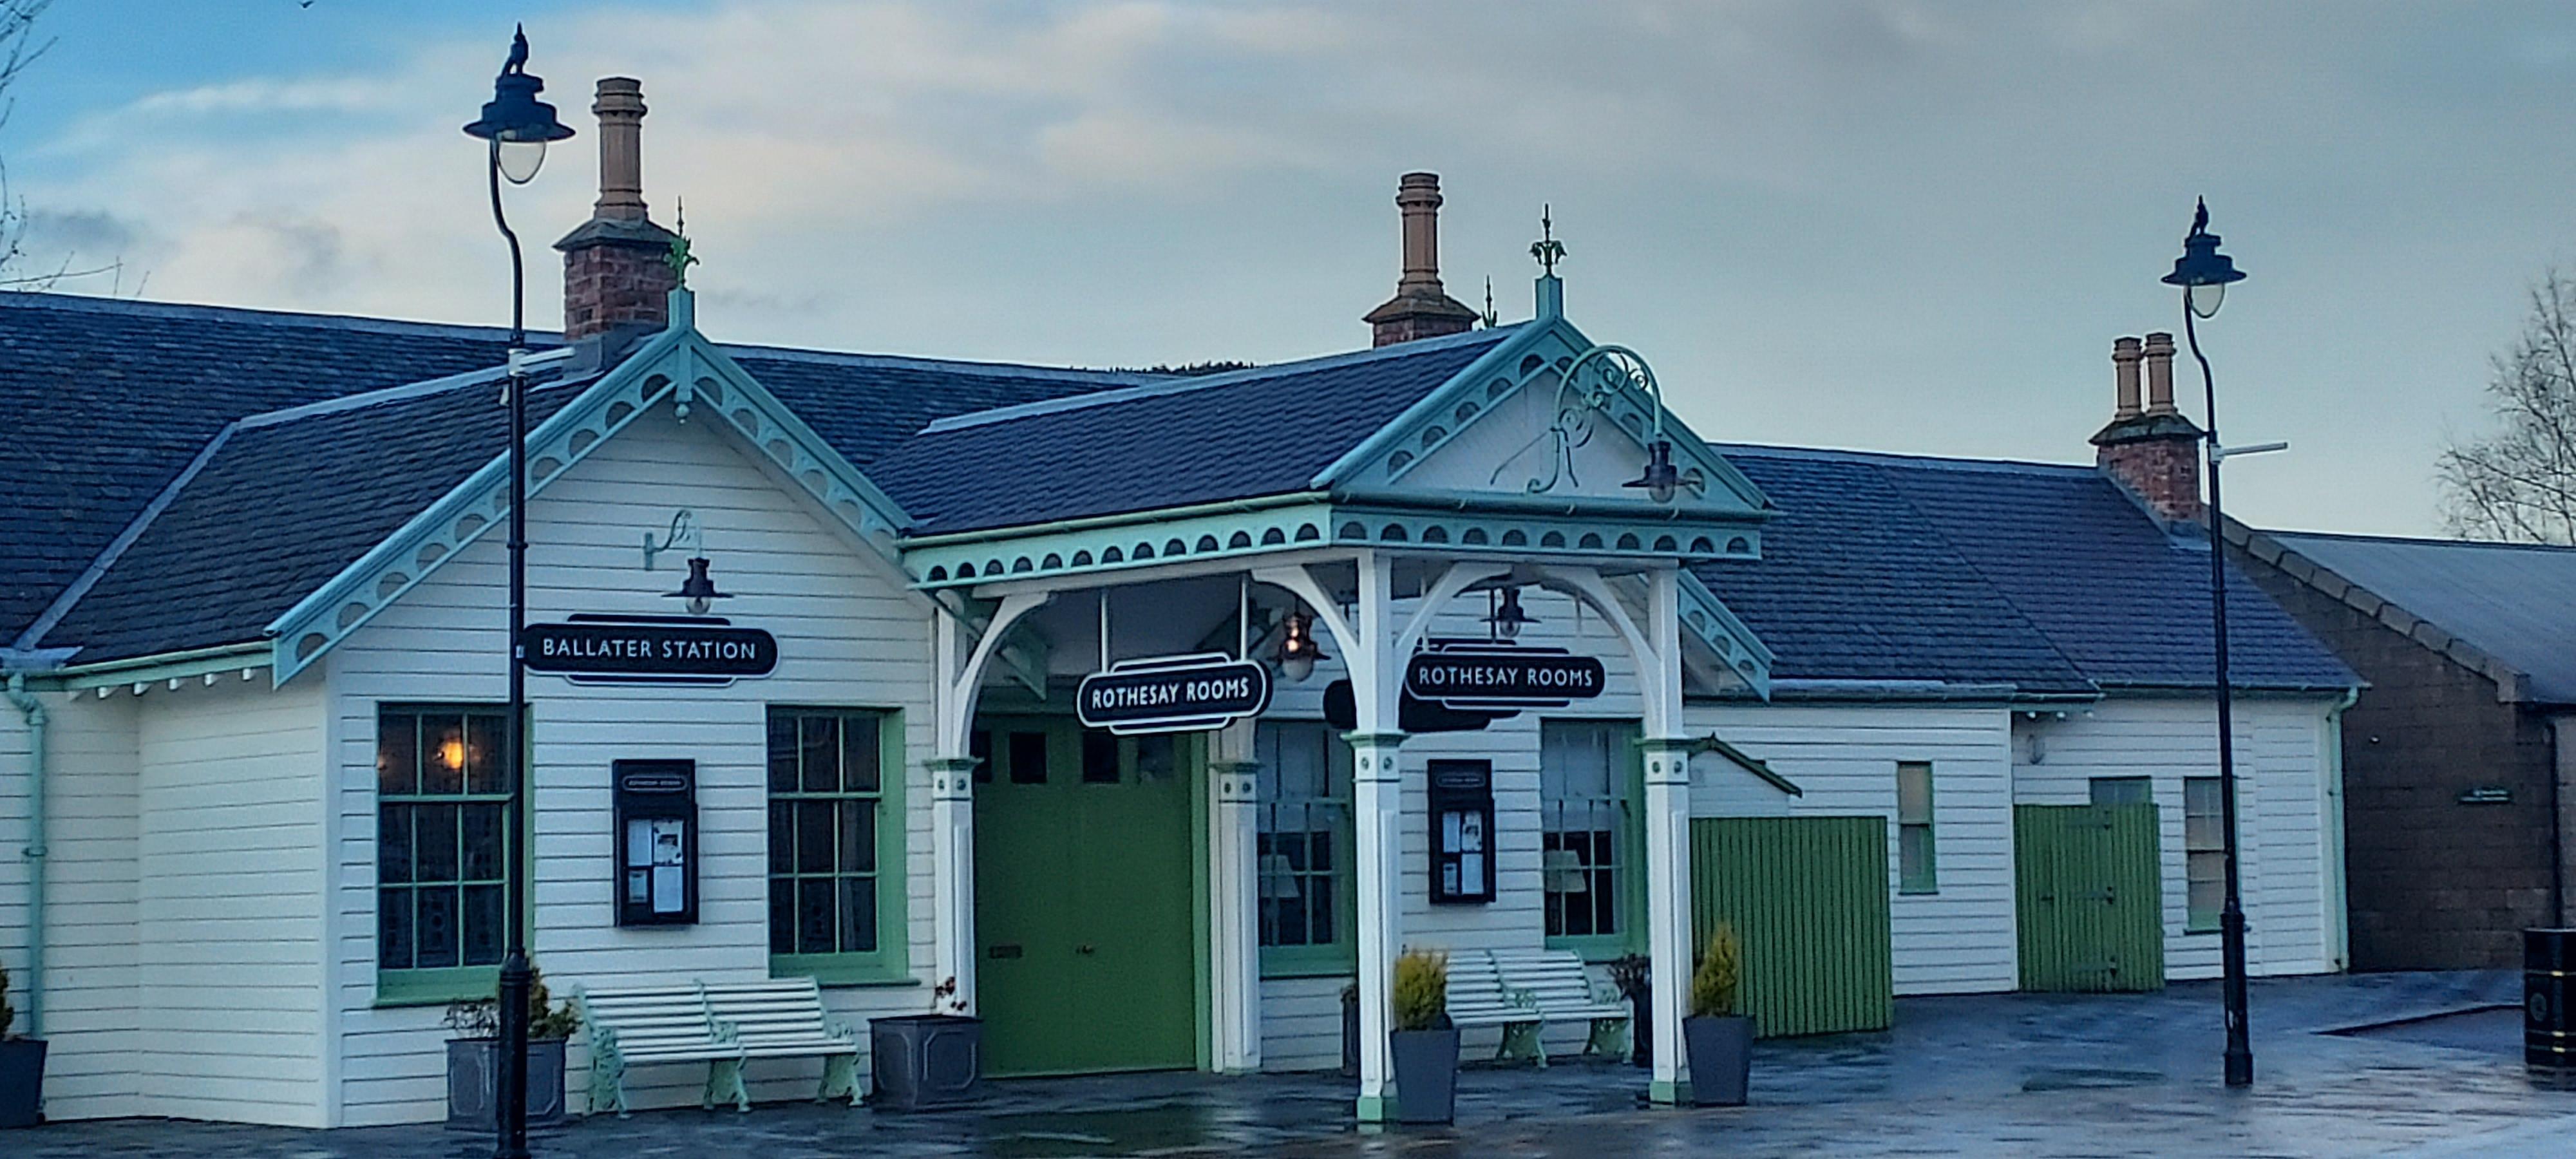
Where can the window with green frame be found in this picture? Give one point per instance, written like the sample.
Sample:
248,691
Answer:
1591,835
836,890
1916,869
2204,852
1303,849
443,776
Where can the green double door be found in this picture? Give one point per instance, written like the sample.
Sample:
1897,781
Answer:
2089,888
1084,898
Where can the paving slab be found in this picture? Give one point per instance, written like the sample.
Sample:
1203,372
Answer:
2022,1074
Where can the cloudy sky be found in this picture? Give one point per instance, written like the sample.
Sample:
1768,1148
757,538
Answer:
1905,227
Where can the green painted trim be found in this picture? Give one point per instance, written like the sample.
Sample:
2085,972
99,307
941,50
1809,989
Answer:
38,723
1718,626
1221,531
1631,936
1202,903
436,987
890,964
1506,353
1371,1109
1338,959
165,666
1090,522
1668,1094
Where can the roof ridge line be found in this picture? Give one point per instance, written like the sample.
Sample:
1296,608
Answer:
1899,458
2420,540
80,586
98,304
1184,384
929,362
480,376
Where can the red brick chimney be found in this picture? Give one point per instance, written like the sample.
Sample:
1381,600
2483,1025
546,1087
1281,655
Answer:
1420,308
2153,451
616,272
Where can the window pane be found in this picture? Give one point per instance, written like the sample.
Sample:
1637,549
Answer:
434,851
397,754
1099,757
2123,791
858,915
814,836
858,836
486,754
782,916
482,921
437,928
1028,758
782,752
814,916
393,929
1914,857
782,837
482,824
1158,758
1914,793
859,753
442,755
393,843
819,739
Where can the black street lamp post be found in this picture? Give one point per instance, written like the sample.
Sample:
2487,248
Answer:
2204,274
518,127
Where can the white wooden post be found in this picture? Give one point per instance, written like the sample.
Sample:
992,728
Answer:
1668,863
1234,927
961,654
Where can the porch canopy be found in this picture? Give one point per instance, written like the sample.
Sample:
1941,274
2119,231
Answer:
1372,491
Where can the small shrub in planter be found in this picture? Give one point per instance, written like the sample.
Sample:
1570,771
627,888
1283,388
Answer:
1719,1039
1634,975
22,1067
1423,1042
474,1058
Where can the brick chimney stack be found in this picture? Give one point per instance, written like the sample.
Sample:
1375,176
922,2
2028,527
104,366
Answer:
616,276
2152,451
1420,307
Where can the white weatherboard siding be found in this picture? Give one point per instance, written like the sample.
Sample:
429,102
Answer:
91,1008
849,635
1961,939
230,902
2285,787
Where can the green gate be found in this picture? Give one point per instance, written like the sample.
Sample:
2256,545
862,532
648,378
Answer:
2089,896
1808,897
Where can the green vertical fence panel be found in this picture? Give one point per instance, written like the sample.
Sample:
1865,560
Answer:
1808,899
2089,897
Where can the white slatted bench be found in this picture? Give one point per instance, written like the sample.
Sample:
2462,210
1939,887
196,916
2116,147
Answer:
1523,990
1565,991
784,1018
645,1025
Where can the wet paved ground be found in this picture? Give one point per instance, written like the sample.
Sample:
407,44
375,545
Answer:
2094,1075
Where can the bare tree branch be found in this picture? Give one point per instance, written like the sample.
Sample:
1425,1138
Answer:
18,49
2518,481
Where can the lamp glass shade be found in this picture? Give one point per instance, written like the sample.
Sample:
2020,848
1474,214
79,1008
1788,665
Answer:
699,590
1296,667
1661,481
2203,299
1298,650
519,160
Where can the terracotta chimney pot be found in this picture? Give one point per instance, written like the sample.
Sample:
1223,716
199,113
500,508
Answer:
1420,308
2159,356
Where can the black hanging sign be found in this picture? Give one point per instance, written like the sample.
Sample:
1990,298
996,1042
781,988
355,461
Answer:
1491,676
1172,693
692,650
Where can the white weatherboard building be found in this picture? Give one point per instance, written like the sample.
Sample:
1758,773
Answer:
255,654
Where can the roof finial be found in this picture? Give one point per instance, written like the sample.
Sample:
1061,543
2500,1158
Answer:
1547,249
680,259
1491,319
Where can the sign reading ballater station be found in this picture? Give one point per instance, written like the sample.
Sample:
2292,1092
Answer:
1172,693
1478,676
602,649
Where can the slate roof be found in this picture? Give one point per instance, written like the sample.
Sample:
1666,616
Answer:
1265,431
865,404
2514,602
107,400
2044,576
283,504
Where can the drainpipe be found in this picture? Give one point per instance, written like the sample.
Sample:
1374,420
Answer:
34,710
2339,909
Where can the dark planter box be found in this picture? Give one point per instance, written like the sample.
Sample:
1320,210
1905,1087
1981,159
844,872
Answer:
1426,1075
474,1077
22,1080
920,1061
1350,1035
1721,1059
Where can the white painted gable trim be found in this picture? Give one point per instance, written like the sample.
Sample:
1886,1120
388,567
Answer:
679,366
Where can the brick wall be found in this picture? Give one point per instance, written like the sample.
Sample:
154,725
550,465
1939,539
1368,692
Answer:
2431,883
608,284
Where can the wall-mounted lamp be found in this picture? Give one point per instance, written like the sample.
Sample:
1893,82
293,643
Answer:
1508,618
699,590
1298,650
683,533
1661,480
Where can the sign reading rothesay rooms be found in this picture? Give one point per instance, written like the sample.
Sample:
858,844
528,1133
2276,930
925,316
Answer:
1475,675
603,649
1172,693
